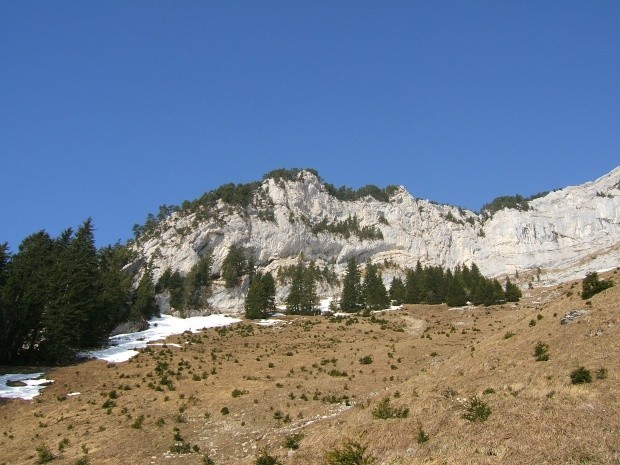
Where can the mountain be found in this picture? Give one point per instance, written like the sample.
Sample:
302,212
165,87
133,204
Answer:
293,213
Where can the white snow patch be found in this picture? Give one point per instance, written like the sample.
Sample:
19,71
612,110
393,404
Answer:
270,322
71,394
27,392
123,346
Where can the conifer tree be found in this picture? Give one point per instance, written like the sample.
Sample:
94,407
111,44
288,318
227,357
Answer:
413,291
261,296
26,293
197,282
352,296
73,319
309,297
455,290
375,295
397,291
234,266
269,287
144,306
512,291
255,300
293,301
115,295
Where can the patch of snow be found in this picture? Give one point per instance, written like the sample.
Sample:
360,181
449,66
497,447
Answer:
31,387
123,346
71,394
270,322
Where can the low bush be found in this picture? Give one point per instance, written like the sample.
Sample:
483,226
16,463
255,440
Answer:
264,458
541,352
352,453
580,376
477,410
384,410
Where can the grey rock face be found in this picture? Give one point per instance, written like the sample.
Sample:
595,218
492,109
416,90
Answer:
563,235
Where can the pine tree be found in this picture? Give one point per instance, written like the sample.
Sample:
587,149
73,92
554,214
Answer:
115,295
269,287
512,292
255,300
397,291
413,285
26,293
309,297
375,295
197,283
261,296
144,306
352,296
455,291
294,299
234,266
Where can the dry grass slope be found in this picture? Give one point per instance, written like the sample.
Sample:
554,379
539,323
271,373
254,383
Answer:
231,393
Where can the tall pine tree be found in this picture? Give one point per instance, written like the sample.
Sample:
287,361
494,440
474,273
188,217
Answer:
375,294
352,298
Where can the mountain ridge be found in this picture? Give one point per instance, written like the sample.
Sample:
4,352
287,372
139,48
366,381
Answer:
560,235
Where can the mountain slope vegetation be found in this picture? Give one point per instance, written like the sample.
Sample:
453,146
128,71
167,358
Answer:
426,384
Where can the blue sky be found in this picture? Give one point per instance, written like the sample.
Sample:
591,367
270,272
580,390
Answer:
110,109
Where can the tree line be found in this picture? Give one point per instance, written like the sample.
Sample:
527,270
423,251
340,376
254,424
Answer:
430,285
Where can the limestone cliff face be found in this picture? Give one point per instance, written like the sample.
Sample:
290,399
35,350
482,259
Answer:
562,235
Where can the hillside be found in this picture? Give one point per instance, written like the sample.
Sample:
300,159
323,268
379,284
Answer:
233,391
291,214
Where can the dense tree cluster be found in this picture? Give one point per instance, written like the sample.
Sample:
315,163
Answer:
302,298
434,285
431,285
516,202
592,284
191,291
347,228
61,295
367,294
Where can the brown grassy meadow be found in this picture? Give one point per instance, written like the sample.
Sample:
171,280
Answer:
233,392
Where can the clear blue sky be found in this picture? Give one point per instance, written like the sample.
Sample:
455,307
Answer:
109,109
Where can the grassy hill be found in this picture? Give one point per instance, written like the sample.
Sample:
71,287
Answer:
232,393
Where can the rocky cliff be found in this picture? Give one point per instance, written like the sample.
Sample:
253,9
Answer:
558,236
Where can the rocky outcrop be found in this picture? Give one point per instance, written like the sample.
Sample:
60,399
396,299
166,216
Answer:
562,235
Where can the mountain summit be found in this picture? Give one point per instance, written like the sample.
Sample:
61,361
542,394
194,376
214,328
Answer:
293,214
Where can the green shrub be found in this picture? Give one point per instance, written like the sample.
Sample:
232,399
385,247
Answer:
541,352
366,360
137,424
477,410
238,392
580,376
292,441
264,458
422,436
44,454
591,285
385,410
352,453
